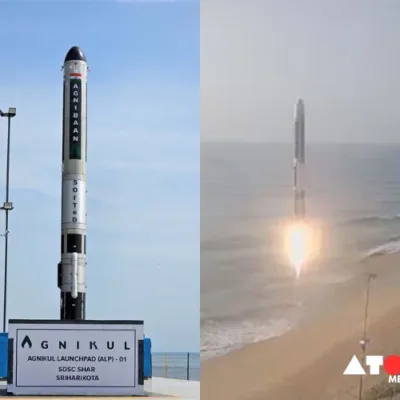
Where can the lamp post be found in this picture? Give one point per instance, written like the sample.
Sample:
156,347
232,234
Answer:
7,207
364,340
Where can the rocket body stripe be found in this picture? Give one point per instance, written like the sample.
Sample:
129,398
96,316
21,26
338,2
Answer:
72,271
299,161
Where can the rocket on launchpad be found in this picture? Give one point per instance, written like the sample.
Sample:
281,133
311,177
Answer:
72,267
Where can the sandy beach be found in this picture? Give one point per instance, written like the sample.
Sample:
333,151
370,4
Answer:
307,363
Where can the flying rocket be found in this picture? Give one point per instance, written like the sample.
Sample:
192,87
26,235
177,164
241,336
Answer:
72,267
302,239
299,161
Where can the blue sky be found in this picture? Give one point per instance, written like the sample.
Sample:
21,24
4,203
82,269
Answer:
143,160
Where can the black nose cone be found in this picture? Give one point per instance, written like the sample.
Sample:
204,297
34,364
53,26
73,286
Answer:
75,54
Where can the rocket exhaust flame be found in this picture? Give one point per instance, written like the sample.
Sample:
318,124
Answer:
301,244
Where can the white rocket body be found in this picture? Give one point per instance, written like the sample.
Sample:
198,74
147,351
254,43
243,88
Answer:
72,268
299,161
74,272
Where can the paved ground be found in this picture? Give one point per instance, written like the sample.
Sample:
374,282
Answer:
3,393
169,388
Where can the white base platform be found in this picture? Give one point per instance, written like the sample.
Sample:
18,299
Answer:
173,387
158,388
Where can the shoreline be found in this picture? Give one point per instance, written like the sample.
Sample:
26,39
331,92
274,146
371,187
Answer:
339,278
271,367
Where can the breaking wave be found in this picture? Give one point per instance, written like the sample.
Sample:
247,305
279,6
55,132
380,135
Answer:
219,339
390,246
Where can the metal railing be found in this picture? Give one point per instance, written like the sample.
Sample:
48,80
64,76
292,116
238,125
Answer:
176,365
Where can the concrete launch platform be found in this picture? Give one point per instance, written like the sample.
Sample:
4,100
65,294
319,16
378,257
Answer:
174,387
156,388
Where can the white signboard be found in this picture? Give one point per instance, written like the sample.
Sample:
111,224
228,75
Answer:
75,358
74,206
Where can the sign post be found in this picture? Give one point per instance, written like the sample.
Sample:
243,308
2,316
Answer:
53,357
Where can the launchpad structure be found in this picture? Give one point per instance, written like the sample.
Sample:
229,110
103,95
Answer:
75,356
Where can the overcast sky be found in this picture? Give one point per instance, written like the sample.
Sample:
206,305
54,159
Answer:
341,56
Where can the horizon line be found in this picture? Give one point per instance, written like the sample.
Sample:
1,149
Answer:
259,141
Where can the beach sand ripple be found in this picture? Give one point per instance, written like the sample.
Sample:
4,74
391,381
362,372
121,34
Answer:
307,363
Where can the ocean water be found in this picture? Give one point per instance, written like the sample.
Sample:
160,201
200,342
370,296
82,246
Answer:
176,365
248,289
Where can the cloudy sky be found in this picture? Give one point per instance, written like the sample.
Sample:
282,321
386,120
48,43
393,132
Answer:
143,160
341,56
